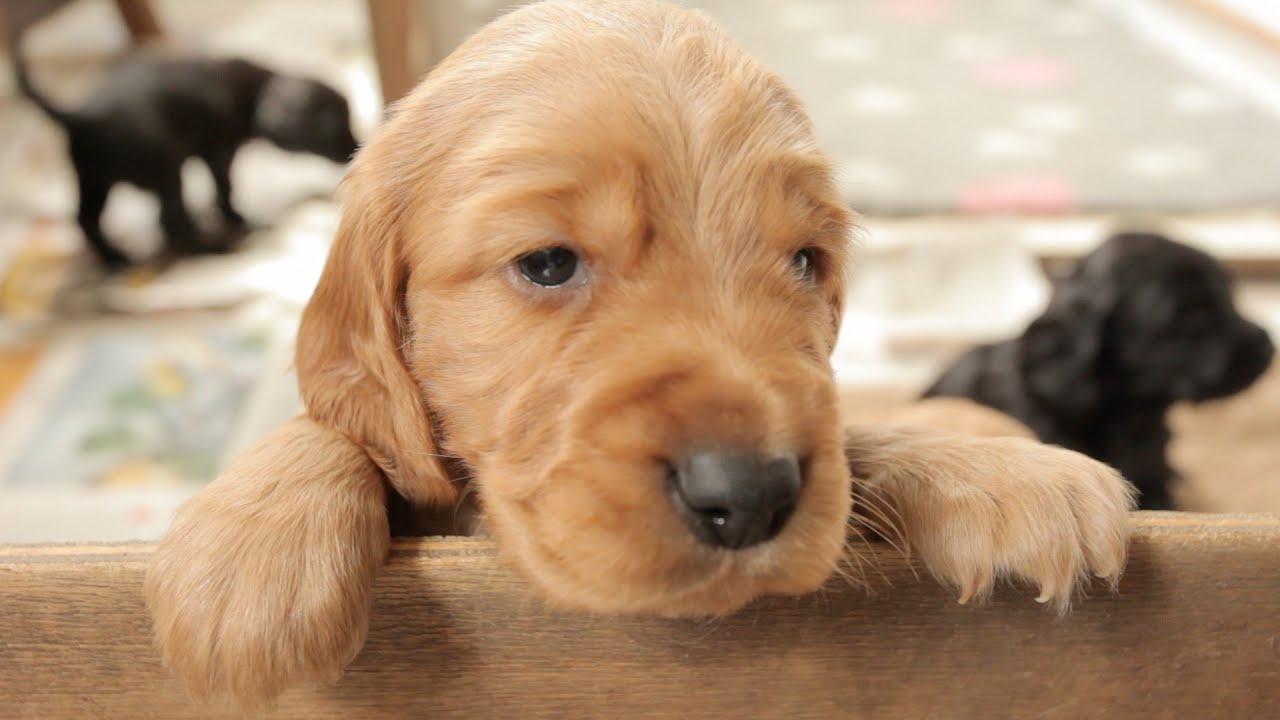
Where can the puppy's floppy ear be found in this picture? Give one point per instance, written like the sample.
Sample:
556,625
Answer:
1058,352
351,367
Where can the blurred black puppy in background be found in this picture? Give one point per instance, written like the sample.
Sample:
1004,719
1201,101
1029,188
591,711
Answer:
1141,323
149,115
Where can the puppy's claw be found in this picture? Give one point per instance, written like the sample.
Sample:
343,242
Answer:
1016,509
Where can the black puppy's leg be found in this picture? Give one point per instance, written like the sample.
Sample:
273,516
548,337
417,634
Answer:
180,232
219,163
93,198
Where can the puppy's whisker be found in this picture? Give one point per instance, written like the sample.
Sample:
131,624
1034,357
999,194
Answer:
859,523
845,569
852,555
881,524
709,626
864,581
902,548
898,522
467,491
870,513
874,501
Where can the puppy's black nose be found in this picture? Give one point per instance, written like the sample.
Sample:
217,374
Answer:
736,499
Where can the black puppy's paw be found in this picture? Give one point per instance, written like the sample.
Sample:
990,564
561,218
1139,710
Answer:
230,240
232,220
220,243
113,261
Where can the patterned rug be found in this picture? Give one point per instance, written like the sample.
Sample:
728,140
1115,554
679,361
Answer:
137,405
1020,105
1015,106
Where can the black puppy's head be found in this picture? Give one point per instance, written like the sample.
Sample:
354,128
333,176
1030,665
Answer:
1142,319
304,115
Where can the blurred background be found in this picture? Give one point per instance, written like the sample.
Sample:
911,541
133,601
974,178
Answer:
988,144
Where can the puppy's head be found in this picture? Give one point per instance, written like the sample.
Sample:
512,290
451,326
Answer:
594,265
303,115
1147,316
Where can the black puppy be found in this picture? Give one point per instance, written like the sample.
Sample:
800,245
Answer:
1141,323
150,115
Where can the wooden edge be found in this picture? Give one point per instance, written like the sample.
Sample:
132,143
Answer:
483,550
1192,631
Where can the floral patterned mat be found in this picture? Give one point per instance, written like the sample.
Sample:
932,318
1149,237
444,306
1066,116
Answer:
137,409
144,404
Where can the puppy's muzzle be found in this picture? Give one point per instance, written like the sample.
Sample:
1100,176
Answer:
735,499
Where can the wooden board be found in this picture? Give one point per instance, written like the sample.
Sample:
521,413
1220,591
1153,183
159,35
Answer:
1194,632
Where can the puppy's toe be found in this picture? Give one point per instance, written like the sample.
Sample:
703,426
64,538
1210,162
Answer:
1071,522
233,219
980,509
1101,502
111,261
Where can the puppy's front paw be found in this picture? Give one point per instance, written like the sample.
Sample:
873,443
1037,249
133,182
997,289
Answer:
264,578
979,509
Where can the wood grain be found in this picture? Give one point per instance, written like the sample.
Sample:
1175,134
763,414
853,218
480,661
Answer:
1193,632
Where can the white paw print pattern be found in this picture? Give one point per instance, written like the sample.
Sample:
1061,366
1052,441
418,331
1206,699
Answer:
1035,130
1050,118
1159,162
844,48
973,47
1198,100
1010,143
864,174
804,16
1073,22
880,100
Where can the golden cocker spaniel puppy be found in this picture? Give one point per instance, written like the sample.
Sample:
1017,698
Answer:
593,266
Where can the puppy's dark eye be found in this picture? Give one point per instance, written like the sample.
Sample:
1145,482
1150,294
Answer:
549,267
805,264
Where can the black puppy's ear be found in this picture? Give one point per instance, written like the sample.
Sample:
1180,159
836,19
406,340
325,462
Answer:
1058,352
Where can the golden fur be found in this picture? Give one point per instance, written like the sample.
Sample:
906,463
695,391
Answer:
686,176
942,413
